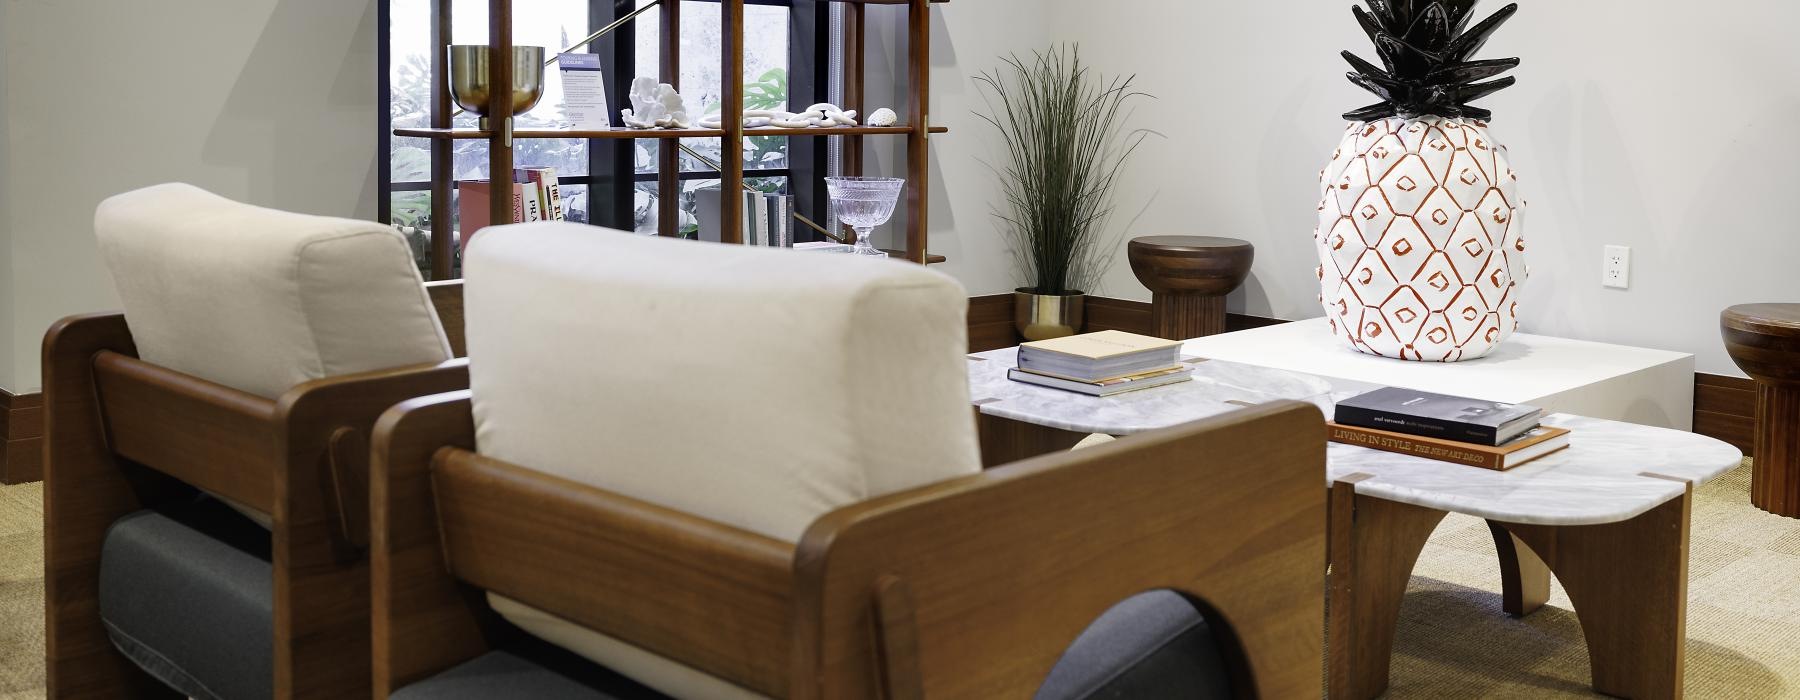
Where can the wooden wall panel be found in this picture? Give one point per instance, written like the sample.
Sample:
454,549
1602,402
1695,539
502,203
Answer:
21,438
1725,408
991,323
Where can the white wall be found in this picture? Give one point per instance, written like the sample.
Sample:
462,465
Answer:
966,39
1666,130
1662,130
267,101
6,256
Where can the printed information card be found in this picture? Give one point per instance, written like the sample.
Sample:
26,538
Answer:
584,91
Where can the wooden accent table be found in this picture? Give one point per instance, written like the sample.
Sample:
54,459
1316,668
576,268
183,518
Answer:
1608,516
1764,341
1189,277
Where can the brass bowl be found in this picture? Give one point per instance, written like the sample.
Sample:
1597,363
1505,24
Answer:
469,72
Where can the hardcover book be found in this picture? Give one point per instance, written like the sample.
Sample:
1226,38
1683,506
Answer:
1100,346
1104,388
1103,355
1534,443
472,197
1437,415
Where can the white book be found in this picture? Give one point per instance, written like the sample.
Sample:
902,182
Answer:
554,195
533,206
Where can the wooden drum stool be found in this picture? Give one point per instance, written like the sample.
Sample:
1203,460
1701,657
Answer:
1764,341
1189,277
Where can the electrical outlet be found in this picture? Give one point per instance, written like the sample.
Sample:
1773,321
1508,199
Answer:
1615,270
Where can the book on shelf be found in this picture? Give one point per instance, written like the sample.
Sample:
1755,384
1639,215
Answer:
767,217
1438,416
534,198
1104,387
549,191
530,193
1102,355
1532,444
472,197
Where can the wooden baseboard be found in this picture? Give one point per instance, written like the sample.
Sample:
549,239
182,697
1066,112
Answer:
21,437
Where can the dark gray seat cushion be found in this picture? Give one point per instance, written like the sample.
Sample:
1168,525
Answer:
527,669
186,593
1155,645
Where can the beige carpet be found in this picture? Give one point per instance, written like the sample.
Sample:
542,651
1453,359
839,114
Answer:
1743,614
21,592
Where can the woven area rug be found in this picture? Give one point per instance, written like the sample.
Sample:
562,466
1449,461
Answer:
1453,640
21,592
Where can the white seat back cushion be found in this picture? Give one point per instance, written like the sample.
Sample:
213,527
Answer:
262,300
758,388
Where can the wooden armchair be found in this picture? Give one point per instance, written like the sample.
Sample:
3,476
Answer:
153,587
547,497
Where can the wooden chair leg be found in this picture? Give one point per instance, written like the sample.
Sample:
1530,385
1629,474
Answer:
1374,545
1628,582
1524,577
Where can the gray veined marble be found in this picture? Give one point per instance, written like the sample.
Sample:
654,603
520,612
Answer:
1611,471
1213,391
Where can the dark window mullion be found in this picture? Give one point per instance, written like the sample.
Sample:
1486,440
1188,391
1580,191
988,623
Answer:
612,162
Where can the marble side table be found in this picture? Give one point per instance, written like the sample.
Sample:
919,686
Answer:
1764,341
1188,277
1609,516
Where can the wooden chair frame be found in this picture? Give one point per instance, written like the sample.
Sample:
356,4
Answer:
972,587
123,434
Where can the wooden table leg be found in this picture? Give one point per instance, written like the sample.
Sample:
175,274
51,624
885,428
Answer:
1004,441
1628,582
1374,545
1524,577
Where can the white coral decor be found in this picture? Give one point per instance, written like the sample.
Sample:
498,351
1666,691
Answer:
1421,239
655,106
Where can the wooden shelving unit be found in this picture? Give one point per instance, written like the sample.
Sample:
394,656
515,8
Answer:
914,211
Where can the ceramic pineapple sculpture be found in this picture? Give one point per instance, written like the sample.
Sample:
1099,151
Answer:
1420,235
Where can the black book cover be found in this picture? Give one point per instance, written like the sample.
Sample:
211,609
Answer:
1437,415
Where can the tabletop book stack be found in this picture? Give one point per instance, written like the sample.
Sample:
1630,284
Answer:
1101,364
1476,433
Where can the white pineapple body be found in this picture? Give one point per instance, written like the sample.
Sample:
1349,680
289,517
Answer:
1420,240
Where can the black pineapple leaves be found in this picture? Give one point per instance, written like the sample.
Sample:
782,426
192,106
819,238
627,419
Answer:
1424,47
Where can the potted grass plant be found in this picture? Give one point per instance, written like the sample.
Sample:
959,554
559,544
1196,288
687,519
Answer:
1063,128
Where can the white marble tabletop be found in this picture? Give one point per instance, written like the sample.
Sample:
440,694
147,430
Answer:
1611,471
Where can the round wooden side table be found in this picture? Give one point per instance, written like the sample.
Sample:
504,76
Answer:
1764,341
1189,277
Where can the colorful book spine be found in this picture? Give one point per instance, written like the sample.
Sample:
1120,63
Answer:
1503,458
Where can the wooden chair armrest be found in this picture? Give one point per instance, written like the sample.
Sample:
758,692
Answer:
424,621
85,490
986,580
301,458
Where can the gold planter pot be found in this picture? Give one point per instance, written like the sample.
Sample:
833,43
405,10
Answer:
1042,317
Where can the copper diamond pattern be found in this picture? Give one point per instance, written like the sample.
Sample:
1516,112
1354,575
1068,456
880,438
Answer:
1421,239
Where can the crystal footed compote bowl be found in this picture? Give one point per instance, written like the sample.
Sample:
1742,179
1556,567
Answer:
864,203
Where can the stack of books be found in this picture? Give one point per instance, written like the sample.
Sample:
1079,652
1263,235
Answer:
1472,432
536,196
1101,364
768,217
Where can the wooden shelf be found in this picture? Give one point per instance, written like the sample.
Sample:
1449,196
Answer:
895,130
913,213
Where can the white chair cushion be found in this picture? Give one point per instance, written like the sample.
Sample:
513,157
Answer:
759,388
755,387
262,300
